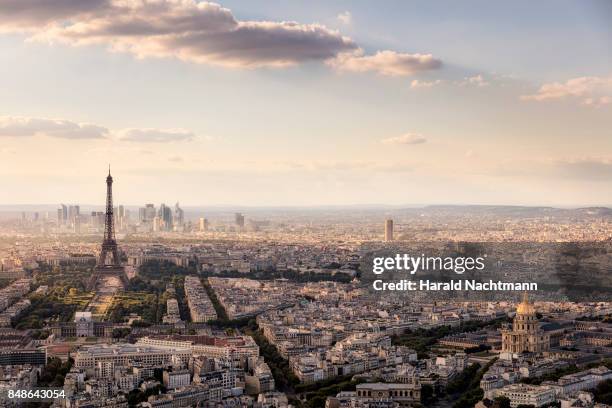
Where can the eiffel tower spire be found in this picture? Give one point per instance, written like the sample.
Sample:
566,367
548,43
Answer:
109,244
109,263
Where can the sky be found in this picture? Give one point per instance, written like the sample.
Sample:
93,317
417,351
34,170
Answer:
274,103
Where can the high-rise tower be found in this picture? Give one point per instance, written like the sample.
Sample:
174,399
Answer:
109,244
109,262
388,230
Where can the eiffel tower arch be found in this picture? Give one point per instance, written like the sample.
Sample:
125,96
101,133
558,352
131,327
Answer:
109,262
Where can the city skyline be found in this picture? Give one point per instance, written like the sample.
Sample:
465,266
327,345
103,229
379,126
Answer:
316,104
275,204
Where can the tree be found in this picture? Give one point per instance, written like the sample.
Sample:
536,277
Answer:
464,379
501,402
121,332
603,392
427,394
140,323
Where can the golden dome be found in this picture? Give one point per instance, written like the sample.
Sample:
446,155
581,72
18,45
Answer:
525,308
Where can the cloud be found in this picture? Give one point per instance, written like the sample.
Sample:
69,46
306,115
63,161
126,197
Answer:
597,102
476,80
21,126
149,135
15,126
590,169
389,63
395,167
28,14
417,84
406,139
322,165
593,169
342,166
345,17
199,32
591,91
189,30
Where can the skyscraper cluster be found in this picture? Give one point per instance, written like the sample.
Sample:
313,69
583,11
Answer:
239,219
67,214
163,219
203,224
70,217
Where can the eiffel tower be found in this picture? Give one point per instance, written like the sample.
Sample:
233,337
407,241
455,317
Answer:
109,263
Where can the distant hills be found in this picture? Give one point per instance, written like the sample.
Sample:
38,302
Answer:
498,210
511,210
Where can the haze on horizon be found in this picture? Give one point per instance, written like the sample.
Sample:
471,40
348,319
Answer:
304,104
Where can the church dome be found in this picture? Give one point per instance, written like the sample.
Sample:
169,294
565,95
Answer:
525,308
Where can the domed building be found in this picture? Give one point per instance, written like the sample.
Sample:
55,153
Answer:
526,335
